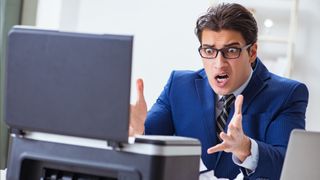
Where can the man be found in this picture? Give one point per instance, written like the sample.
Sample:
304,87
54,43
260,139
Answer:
252,133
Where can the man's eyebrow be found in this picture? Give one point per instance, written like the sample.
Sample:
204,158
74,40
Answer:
226,45
231,44
207,45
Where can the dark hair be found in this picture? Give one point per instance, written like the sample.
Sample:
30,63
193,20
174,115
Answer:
229,17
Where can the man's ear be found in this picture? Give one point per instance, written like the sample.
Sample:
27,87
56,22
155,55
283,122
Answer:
253,52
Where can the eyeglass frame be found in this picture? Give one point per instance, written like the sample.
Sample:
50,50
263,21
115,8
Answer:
221,50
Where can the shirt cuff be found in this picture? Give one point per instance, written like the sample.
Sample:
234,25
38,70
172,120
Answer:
251,162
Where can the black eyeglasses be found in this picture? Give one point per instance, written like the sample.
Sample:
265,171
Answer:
208,52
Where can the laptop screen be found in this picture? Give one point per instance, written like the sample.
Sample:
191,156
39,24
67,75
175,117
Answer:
69,83
302,158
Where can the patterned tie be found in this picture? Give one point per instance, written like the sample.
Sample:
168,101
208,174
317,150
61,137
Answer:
223,117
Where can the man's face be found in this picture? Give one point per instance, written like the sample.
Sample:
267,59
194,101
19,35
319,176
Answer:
227,75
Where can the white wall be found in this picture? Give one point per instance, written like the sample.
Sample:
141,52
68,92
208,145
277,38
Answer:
306,57
164,37
49,14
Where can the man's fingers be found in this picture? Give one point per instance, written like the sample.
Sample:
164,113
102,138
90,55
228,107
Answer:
131,108
225,137
236,120
140,87
236,123
216,148
238,104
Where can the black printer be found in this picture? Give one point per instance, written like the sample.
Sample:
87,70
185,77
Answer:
67,106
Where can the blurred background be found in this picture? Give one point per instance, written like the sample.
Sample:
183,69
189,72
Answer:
164,38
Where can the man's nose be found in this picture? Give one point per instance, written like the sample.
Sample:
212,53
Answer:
219,60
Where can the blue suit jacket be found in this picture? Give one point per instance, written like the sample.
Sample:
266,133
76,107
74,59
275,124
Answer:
272,107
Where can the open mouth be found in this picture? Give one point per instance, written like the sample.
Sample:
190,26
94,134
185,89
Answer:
222,78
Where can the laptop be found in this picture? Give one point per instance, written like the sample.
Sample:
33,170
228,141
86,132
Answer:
68,83
303,156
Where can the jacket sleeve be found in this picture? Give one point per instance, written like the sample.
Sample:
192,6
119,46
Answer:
159,117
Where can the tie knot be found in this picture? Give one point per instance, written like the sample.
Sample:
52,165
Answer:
228,100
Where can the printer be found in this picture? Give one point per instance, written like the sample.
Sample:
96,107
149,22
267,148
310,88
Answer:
67,104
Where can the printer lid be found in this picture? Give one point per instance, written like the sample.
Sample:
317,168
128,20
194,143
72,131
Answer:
69,83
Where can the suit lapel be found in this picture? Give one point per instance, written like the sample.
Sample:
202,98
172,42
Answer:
207,100
256,84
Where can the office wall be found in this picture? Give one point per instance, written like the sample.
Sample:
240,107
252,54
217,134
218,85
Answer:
164,38
306,57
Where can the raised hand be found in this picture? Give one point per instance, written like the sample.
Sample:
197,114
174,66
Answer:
138,111
234,141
